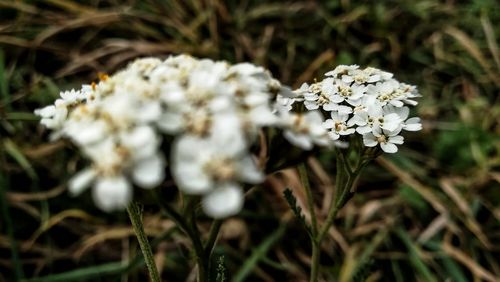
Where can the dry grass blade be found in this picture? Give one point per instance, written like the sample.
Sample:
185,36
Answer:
358,255
325,57
490,37
471,47
43,150
407,178
470,221
20,6
56,219
94,19
71,6
469,262
110,234
35,196
433,228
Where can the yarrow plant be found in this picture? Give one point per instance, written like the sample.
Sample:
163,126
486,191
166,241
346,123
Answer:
368,102
365,112
204,120
214,110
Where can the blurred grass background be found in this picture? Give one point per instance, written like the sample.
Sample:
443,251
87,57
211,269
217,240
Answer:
429,213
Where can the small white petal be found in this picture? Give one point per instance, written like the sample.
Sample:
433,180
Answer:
389,147
363,129
223,201
369,140
79,182
46,112
396,139
413,124
248,171
329,123
299,140
333,135
112,193
149,112
149,172
171,122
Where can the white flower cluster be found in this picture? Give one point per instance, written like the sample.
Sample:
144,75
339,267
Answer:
368,102
214,111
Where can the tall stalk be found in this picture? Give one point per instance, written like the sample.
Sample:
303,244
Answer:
345,179
187,223
135,215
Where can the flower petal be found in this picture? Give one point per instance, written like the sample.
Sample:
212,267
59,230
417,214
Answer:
389,147
224,201
112,193
149,172
369,140
79,182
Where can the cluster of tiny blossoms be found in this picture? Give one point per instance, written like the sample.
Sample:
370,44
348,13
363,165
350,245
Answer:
368,102
213,110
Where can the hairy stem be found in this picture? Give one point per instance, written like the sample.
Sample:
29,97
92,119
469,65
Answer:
345,179
135,215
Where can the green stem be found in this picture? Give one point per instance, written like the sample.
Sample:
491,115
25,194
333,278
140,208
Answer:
346,177
187,224
314,223
316,252
135,215
212,237
310,200
201,258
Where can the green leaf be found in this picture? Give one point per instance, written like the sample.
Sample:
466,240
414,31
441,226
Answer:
297,211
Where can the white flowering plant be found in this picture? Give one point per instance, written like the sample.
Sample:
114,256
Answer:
365,112
211,127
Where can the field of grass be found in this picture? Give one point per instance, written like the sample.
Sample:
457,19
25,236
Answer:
429,213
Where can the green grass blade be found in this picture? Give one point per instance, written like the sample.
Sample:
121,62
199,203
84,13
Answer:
415,259
258,254
3,79
84,274
17,155
7,221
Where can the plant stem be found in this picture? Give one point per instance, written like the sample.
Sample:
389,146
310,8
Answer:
201,258
316,252
135,215
310,200
187,223
346,177
212,236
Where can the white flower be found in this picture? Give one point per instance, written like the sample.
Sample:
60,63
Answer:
361,77
54,116
220,158
368,102
375,117
386,139
337,126
305,130
343,91
384,92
